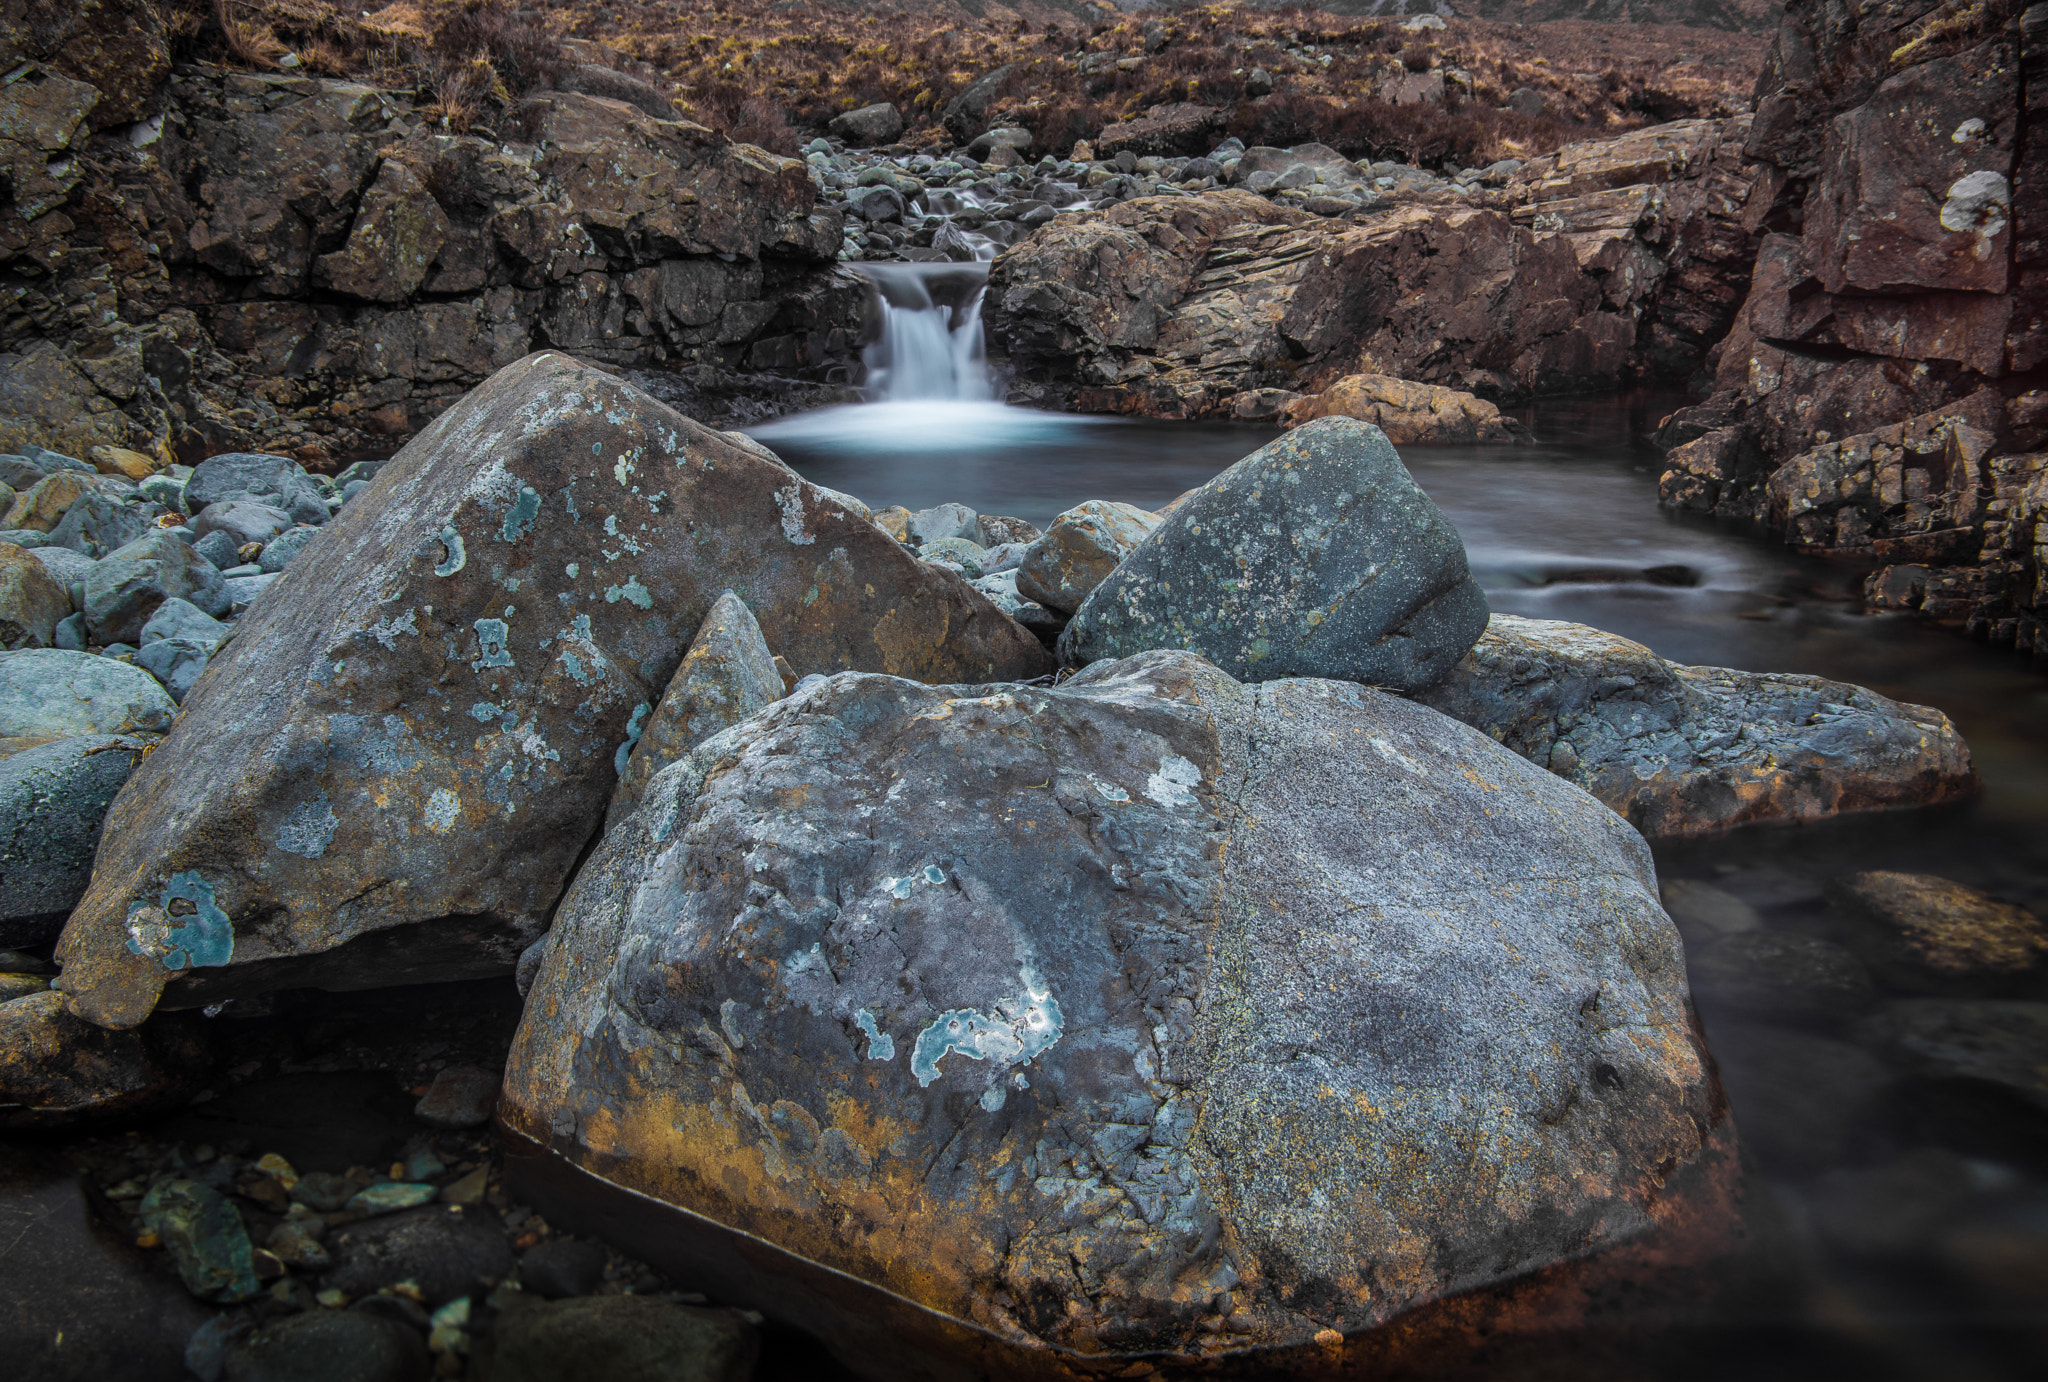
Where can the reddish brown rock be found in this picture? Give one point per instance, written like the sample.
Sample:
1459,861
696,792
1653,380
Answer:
1181,127
1409,413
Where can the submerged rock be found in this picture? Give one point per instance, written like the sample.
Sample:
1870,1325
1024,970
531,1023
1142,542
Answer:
205,1236
1925,934
727,675
415,729
618,1339
330,1346
444,1253
1126,1017
1690,751
1317,555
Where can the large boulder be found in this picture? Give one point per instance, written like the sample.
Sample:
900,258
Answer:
415,730
1151,1013
879,123
50,693
278,481
52,800
1317,555
1692,751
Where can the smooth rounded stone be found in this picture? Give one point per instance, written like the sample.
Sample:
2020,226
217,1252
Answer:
19,472
324,1191
1001,589
1984,1041
57,1070
560,1267
127,585
274,481
1802,1099
460,1096
878,204
1783,975
279,551
1685,752
32,601
42,506
445,1252
617,1339
166,487
1080,550
242,520
1922,934
50,693
879,123
965,553
52,800
1096,987
182,619
728,674
98,524
388,1197
942,521
393,708
1526,101
203,1232
1316,555
13,986
330,1346
1704,912
220,548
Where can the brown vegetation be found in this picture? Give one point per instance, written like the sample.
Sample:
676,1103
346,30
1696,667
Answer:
775,75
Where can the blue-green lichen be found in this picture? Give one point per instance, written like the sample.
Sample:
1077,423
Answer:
456,558
519,518
491,638
185,928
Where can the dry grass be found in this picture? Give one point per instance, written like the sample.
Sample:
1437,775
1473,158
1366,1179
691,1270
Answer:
774,74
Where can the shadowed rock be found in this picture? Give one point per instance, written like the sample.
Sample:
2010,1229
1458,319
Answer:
1924,934
52,800
56,1069
1127,1017
728,674
414,732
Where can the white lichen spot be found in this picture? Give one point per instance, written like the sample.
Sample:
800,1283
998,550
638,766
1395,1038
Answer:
632,592
1173,784
1968,130
881,1046
1978,204
386,631
443,808
309,829
571,569
791,502
1109,790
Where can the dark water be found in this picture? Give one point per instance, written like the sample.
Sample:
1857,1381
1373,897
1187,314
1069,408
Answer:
1905,1229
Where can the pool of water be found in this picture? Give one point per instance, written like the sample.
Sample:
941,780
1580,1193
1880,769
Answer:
1907,1213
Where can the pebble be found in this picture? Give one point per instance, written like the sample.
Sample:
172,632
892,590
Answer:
390,1196
461,1096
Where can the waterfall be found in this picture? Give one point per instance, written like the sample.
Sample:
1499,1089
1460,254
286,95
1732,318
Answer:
929,346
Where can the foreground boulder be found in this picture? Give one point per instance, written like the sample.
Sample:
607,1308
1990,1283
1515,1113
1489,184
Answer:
1317,555
1691,751
414,732
1151,1013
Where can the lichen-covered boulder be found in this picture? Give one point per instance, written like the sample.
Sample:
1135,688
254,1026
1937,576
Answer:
1148,1014
1317,555
389,771
1692,751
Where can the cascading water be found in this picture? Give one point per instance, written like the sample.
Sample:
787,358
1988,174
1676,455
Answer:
929,348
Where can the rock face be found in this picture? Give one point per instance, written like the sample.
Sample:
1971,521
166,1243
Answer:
1410,413
414,732
283,262
1693,751
1316,555
1048,1010
1874,396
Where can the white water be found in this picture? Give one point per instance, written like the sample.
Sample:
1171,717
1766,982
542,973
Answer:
930,345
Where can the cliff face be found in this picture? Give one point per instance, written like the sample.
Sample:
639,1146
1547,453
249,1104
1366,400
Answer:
1877,397
200,260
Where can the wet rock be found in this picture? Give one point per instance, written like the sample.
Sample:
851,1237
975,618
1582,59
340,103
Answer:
52,800
324,1191
1780,975
388,1197
1704,912
31,601
1079,551
1691,751
126,586
879,123
203,1232
330,1346
460,1096
50,693
1923,934
2003,1044
276,481
895,940
618,1339
878,204
560,1267
419,724
1315,555
445,1252
727,675
1410,413
242,521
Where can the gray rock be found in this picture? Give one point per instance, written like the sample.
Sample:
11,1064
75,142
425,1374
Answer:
1007,556
460,1096
1316,555
944,521
617,1339
1526,100
1007,137
50,462
965,553
19,473
1693,751
126,586
1123,973
615,85
562,1267
165,488
48,694
24,537
879,123
448,1254
967,113
52,800
97,524
878,204
728,674
204,1234
69,568
1320,162
243,520
1001,589
1993,1042
272,480
330,1346
71,634
182,619
999,530
1080,550
177,643
1705,913
278,553
220,548
244,591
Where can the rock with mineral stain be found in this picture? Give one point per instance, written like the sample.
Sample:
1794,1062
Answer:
1079,550
728,674
206,1238
1923,934
397,760
1410,413
1317,555
1094,988
1692,751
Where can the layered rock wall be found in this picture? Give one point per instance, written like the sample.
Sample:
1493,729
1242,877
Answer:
200,260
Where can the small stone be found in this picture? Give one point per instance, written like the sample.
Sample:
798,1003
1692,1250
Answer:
562,1267
1781,975
329,1346
964,553
389,1197
1924,934
297,1243
241,521
467,1189
1079,551
930,525
206,1239
1705,912
324,1191
461,1096
276,481
219,548
879,123
420,1164
894,520
278,553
